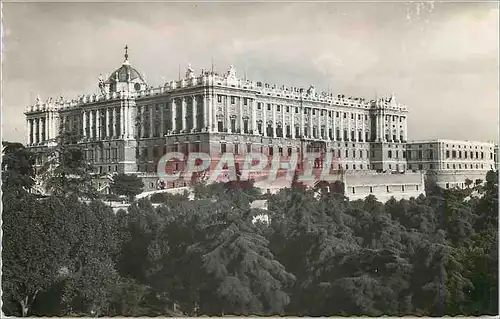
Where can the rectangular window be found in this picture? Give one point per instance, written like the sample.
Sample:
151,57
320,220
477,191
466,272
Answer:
278,108
259,106
249,148
337,115
219,98
233,125
296,110
236,148
269,107
271,151
245,125
245,101
233,99
223,148
389,154
447,154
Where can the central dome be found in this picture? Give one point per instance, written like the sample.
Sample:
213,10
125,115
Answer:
123,72
125,78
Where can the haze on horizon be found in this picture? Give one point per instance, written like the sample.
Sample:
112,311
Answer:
440,59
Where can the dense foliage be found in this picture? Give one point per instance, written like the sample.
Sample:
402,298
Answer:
128,185
321,254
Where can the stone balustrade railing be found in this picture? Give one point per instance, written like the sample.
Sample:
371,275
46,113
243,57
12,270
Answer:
216,80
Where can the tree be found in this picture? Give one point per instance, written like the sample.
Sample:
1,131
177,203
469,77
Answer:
35,250
65,171
127,184
468,182
18,170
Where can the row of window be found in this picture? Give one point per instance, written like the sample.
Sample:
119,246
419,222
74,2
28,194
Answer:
459,154
389,189
448,166
308,110
98,156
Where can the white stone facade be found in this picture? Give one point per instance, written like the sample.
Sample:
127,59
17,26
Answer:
127,126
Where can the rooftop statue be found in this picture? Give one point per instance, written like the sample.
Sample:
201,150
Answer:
232,72
189,72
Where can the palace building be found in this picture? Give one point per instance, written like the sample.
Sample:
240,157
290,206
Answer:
128,125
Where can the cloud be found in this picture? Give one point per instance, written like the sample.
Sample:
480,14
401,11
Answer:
442,61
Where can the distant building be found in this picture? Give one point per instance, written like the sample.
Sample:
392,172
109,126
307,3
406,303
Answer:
127,125
358,185
451,162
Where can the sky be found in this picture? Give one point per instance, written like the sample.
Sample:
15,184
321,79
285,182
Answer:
440,59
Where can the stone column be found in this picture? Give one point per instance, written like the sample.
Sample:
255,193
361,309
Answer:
302,122
319,124
363,128
27,132
107,122
342,126
115,124
334,125
391,122
129,121
141,129
40,129
327,126
84,121
55,124
152,122
195,113
184,114
405,128
264,119
98,124
240,115
212,111
206,119
349,126
162,120
382,127
273,110
283,124
46,126
356,134
254,117
90,122
310,122
174,116
228,117
123,120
